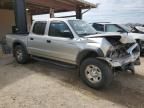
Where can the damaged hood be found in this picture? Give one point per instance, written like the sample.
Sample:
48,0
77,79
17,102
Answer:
122,37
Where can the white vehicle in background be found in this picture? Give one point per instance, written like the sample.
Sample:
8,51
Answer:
109,27
136,29
140,28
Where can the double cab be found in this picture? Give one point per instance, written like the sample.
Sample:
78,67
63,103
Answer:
75,42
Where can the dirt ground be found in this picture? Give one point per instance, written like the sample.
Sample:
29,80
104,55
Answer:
44,85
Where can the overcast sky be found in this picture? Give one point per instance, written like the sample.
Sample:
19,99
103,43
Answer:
116,11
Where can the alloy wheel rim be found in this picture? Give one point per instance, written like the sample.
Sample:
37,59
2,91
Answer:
93,73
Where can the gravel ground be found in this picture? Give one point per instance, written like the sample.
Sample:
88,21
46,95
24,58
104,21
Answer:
45,85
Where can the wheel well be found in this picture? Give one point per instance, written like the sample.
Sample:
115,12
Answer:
86,55
15,44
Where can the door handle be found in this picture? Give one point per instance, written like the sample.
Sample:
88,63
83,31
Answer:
31,38
48,41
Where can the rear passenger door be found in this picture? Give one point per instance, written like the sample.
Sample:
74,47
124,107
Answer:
36,39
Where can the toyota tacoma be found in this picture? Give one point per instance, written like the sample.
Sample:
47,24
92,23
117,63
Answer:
75,42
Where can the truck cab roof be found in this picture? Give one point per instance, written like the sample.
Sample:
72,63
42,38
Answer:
54,19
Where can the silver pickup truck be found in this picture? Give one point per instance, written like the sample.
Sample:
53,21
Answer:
75,42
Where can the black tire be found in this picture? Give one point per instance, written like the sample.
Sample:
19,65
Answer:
106,73
24,55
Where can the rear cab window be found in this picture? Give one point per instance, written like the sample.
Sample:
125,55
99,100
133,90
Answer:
39,28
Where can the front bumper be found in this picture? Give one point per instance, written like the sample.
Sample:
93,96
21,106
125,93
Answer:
131,58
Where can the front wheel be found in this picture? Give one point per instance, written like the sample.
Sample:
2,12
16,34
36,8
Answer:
96,73
21,54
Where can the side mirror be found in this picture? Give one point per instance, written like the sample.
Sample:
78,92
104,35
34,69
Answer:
68,34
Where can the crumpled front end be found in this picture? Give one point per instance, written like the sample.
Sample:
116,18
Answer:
123,55
119,50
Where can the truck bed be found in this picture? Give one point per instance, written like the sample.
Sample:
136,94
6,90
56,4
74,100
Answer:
11,38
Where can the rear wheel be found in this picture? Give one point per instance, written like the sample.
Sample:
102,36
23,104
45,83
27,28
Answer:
96,73
21,54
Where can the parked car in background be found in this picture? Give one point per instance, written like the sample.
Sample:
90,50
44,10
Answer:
109,27
75,42
137,29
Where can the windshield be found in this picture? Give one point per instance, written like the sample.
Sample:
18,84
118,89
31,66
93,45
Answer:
82,28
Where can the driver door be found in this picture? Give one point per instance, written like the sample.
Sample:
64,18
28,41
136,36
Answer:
60,43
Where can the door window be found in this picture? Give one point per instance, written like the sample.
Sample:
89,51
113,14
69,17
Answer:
59,29
39,28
